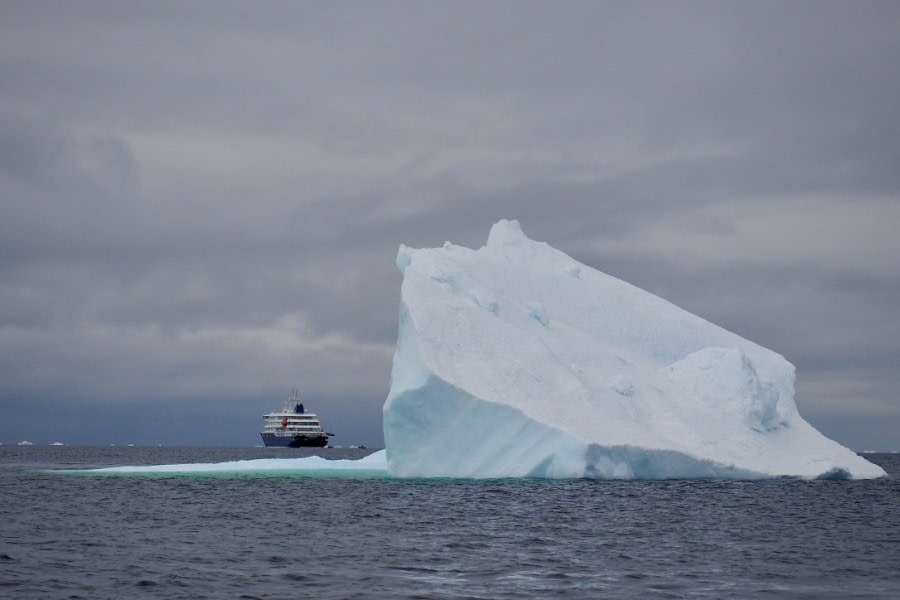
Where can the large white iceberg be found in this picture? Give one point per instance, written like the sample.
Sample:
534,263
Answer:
515,360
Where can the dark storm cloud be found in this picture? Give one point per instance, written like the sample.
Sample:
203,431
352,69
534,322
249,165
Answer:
202,202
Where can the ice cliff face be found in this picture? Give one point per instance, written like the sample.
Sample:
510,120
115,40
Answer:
515,360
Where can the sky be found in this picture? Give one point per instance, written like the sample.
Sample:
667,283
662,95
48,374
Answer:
201,202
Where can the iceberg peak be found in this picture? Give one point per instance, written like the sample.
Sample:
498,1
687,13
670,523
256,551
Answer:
506,233
515,360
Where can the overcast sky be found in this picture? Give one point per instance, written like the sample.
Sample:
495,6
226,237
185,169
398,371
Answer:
201,202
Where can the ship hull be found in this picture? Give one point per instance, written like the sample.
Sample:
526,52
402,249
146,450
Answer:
294,441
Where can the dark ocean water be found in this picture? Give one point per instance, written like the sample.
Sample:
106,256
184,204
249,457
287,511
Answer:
66,536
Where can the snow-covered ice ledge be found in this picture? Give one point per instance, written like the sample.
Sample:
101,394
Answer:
515,360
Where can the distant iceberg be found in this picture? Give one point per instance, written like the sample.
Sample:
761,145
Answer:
515,360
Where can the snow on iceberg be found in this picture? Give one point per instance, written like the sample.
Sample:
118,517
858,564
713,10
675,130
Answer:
515,360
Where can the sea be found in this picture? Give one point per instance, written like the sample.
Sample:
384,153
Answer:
324,535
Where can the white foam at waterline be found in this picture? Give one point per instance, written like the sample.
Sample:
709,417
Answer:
373,465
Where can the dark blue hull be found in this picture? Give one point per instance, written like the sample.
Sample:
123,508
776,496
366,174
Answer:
296,441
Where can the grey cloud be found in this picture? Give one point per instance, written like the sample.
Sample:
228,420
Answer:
211,195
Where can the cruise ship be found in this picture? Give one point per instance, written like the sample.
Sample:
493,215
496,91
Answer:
293,427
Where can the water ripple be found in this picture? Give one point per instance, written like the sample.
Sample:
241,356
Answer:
182,537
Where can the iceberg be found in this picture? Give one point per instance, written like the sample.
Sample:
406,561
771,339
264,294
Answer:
515,360
372,465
